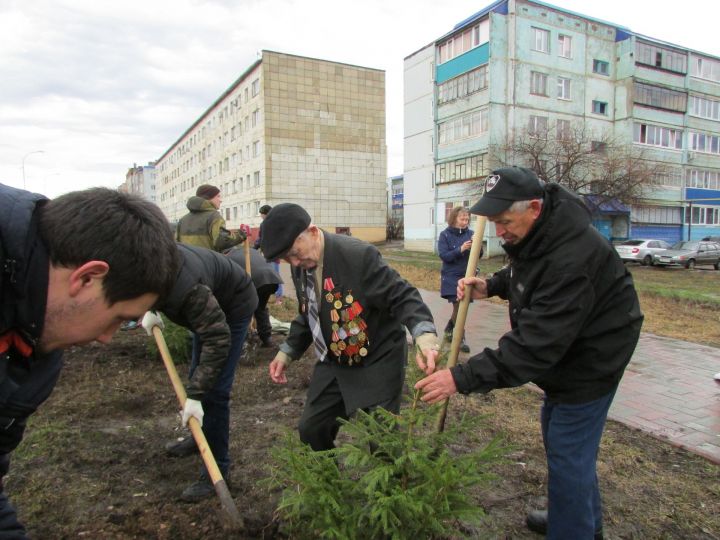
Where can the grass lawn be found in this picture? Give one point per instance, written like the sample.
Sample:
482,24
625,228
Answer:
678,303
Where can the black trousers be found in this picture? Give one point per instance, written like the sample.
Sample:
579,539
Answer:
262,314
10,527
319,422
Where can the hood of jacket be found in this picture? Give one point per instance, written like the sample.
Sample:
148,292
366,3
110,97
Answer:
198,204
564,216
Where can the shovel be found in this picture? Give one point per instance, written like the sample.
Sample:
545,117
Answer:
459,329
233,519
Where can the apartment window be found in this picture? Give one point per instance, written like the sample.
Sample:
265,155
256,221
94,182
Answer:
563,88
256,178
538,83
461,43
257,207
657,136
467,168
704,142
671,215
255,117
702,215
705,68
255,87
660,57
235,212
432,215
598,147
564,46
463,85
564,130
540,40
601,67
704,108
462,127
538,126
599,107
662,98
703,179
256,148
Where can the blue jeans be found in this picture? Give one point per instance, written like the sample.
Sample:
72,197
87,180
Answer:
216,402
571,434
279,291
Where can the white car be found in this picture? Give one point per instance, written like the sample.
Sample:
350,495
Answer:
640,250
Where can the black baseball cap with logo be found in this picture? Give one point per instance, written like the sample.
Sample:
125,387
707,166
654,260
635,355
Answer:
505,186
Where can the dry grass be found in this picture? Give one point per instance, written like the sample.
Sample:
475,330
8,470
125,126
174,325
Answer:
678,303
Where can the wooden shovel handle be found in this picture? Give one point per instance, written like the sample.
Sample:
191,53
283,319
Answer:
459,329
226,500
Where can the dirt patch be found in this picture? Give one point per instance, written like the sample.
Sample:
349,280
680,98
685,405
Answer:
93,463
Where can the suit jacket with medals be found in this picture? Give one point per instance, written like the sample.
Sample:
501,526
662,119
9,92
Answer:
359,297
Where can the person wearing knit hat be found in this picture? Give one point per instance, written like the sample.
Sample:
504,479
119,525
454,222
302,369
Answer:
353,313
204,225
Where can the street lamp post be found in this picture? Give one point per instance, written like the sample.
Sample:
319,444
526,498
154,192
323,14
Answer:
23,162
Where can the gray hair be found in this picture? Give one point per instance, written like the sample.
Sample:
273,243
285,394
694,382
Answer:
521,206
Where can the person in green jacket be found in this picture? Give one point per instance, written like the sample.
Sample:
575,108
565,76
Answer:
204,225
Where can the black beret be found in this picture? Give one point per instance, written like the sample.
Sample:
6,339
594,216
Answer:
505,186
281,227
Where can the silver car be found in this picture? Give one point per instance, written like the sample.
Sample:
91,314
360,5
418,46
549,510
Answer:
690,253
640,250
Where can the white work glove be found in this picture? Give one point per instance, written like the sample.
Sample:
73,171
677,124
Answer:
151,319
192,408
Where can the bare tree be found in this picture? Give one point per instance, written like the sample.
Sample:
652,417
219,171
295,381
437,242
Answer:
586,163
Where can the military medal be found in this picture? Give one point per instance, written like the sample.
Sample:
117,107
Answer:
349,299
329,297
337,304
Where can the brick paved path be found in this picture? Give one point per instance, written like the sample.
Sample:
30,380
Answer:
668,388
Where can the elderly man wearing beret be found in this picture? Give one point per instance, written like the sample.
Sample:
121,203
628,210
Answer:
575,320
203,225
353,311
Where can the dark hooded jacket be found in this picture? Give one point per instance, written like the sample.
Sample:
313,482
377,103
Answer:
210,292
27,377
454,261
204,227
574,312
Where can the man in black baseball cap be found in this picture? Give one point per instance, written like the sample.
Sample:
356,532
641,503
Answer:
575,320
505,186
513,200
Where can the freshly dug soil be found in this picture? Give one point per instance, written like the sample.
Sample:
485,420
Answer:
93,463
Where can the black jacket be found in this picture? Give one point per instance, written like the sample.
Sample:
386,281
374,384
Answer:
574,312
25,381
209,292
366,289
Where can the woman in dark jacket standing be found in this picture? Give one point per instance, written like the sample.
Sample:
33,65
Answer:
454,250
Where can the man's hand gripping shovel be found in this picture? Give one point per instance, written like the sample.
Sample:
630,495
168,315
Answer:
153,324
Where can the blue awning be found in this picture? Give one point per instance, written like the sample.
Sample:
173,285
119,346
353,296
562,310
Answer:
602,205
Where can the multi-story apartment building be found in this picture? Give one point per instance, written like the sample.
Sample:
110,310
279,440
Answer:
289,129
526,66
140,179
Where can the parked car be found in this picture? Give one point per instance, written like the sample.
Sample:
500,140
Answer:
640,250
690,253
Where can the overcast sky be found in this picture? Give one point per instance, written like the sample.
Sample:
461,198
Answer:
98,85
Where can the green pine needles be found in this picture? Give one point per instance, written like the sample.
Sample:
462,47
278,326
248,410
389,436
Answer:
178,340
394,477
